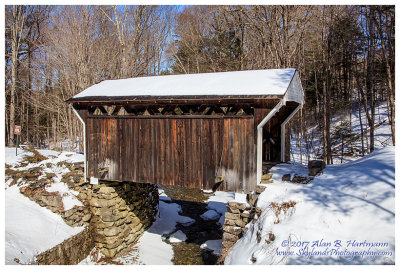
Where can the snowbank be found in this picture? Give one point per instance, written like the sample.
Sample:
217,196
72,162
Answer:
31,229
347,206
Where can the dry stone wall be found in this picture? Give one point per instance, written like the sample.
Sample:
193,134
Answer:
71,251
78,215
121,212
236,218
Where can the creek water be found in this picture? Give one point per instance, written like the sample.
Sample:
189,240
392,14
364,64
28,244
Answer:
192,203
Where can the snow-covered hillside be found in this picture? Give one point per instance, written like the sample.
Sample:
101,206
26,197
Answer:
383,136
29,228
344,216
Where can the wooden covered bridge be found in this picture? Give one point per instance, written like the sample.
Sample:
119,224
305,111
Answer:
196,130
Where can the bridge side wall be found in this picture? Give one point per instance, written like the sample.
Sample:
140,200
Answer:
188,151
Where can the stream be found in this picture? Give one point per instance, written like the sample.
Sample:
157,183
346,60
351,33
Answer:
192,203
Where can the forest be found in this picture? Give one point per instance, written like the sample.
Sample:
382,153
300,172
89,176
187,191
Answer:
345,56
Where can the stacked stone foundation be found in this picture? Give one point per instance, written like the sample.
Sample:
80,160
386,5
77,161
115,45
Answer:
237,216
121,212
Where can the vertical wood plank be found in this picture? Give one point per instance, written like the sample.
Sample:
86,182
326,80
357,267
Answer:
170,151
241,148
175,164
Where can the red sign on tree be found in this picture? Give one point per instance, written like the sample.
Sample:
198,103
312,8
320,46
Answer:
17,130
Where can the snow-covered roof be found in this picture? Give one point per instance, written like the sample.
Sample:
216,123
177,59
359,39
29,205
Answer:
268,82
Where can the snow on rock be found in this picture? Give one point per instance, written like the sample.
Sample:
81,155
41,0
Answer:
292,168
219,207
51,166
162,196
210,215
221,196
214,245
177,237
168,217
241,198
347,204
219,200
31,229
68,196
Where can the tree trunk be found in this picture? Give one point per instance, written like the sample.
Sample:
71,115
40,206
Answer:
18,16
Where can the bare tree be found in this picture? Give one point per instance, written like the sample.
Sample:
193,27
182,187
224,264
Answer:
18,18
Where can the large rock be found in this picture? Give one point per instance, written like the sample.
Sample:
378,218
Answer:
260,189
237,205
53,200
286,177
232,230
315,167
227,237
231,216
266,176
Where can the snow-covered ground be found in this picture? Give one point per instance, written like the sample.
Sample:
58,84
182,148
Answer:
49,165
29,228
344,216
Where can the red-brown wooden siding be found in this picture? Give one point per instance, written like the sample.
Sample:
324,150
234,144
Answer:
189,152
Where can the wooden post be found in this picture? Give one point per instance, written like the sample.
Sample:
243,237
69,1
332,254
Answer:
17,131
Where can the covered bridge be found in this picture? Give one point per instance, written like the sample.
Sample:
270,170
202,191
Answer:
195,130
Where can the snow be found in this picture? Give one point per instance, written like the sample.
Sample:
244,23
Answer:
240,198
31,229
168,218
50,166
348,202
218,201
250,82
151,248
151,244
53,157
68,196
292,168
12,159
214,245
221,197
177,237
382,137
210,215
163,196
